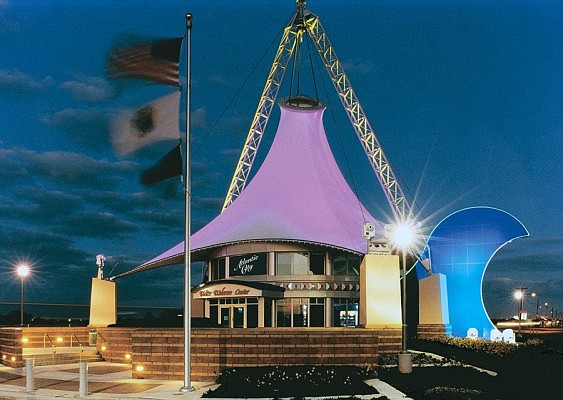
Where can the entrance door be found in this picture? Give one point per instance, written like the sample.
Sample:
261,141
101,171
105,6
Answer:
225,317
232,316
238,317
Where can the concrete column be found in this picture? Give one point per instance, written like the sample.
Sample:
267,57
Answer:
260,312
29,382
328,312
83,389
271,263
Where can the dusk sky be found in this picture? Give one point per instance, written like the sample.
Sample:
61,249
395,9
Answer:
465,97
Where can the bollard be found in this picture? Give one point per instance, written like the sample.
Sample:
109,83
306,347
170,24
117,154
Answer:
83,379
405,362
29,384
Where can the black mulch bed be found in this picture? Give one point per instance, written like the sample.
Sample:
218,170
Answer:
294,382
530,372
443,383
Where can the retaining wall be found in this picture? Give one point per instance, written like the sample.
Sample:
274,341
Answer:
160,351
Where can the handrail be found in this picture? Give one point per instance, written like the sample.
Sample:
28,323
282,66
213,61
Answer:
78,340
53,347
101,337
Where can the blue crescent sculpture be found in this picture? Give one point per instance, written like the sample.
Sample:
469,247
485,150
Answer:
460,247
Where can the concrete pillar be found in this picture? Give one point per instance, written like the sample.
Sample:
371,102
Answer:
103,303
29,381
380,291
83,388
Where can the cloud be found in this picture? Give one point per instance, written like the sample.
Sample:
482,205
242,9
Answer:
17,82
32,205
85,127
77,170
96,224
43,249
90,89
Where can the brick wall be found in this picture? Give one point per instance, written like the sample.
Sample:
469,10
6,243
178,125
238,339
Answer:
114,344
11,347
160,352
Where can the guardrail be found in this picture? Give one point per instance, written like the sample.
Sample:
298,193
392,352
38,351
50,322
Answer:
45,338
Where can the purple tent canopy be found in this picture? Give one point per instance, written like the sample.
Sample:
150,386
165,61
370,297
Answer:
297,195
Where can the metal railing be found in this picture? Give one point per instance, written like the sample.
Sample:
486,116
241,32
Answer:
45,338
102,338
72,334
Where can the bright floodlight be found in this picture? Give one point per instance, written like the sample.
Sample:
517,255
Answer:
23,270
403,235
518,294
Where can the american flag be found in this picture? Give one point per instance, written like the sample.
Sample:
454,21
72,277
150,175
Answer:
156,61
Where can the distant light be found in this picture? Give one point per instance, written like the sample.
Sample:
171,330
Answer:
3,356
23,270
140,368
534,294
127,356
13,358
104,348
59,339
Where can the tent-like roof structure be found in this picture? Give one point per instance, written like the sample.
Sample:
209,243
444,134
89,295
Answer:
297,195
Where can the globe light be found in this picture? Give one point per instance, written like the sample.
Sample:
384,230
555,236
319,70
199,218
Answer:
22,271
403,234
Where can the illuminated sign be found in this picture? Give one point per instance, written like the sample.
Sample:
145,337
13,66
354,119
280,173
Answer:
227,290
248,264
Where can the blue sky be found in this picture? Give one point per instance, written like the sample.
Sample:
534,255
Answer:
465,98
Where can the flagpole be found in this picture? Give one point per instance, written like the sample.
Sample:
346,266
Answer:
187,187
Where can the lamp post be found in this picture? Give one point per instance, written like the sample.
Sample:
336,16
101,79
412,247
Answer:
537,303
402,237
23,271
519,296
546,311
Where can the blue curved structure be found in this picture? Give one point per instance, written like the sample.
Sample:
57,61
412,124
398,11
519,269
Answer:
460,247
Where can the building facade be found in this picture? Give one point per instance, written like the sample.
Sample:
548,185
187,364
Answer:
287,251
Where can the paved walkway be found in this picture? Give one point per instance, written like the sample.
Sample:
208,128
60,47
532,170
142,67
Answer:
113,381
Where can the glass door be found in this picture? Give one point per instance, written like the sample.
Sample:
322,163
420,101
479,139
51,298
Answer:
239,320
225,317
232,316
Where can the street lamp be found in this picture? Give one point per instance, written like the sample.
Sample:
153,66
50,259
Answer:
402,236
23,271
519,295
537,303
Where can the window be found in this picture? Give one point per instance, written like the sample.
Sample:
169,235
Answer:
283,312
300,263
317,312
289,263
218,269
300,312
345,312
346,264
283,263
317,266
